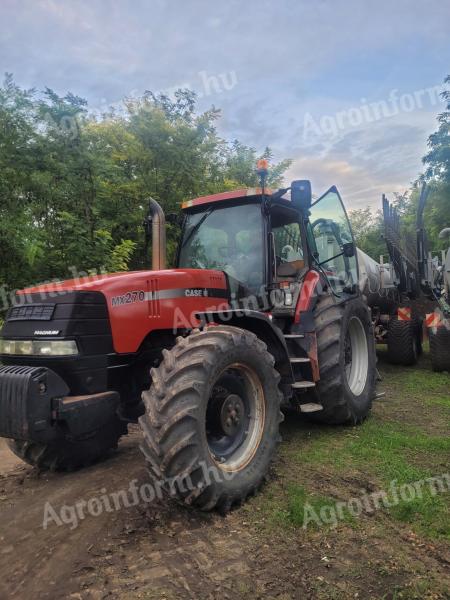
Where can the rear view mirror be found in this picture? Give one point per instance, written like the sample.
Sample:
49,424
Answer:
301,195
348,249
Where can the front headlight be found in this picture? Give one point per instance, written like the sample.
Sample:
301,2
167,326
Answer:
39,347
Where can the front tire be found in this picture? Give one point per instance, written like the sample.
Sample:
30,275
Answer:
347,361
212,418
67,454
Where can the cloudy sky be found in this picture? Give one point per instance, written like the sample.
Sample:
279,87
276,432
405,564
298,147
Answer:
347,88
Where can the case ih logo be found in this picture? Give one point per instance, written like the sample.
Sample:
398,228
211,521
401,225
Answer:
196,292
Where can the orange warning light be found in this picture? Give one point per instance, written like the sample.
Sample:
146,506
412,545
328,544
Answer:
262,164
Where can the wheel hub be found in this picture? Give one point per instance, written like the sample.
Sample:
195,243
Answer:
235,417
348,351
231,414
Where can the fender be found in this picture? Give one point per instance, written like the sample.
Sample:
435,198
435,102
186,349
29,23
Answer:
260,324
307,292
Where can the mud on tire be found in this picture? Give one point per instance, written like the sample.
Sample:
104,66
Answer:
335,322
194,450
69,455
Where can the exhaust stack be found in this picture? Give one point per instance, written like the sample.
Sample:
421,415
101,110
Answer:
157,219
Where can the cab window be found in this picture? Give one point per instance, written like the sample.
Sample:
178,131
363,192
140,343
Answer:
287,241
332,234
227,238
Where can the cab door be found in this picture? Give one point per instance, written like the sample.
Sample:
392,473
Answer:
331,238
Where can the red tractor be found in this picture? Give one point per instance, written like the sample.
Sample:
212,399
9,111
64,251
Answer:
262,310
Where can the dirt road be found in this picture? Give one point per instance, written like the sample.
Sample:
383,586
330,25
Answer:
160,550
148,551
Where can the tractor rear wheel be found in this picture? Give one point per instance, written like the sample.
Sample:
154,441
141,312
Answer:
440,348
212,418
69,455
403,342
347,361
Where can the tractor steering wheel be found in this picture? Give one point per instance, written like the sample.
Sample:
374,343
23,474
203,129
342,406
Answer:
320,221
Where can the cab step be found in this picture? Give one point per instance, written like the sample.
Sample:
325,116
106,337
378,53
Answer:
303,385
310,407
300,360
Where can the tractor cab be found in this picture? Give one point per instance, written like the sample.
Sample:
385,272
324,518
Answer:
266,240
227,236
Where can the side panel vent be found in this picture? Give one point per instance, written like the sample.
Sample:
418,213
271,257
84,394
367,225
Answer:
153,302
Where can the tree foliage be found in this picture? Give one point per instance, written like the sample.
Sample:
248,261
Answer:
368,231
437,159
74,186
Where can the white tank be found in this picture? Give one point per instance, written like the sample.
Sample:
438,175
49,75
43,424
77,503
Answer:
376,281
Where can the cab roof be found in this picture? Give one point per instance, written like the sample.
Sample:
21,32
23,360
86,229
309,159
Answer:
245,192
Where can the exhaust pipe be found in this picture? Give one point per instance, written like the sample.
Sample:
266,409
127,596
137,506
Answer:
157,219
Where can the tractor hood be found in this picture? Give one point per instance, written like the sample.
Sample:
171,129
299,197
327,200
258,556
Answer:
137,302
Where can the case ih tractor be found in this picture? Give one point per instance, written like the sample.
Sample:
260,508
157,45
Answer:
262,310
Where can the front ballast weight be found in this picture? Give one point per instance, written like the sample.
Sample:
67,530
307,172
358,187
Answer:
50,429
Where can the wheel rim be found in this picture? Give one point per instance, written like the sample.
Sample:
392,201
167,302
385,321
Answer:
235,417
356,356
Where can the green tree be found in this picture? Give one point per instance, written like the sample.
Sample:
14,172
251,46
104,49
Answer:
437,159
74,187
368,231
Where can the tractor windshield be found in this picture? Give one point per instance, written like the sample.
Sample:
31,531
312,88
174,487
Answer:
229,239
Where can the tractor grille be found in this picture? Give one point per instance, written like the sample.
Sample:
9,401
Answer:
32,312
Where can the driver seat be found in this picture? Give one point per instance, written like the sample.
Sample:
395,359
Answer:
290,269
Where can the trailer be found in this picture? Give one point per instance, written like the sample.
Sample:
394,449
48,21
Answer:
389,287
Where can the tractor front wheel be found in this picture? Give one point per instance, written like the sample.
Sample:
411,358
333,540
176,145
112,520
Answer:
70,454
212,418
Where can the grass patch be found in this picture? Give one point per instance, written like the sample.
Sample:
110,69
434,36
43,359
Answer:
420,382
311,510
385,451
443,401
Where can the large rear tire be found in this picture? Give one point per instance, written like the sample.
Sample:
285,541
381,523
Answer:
69,455
347,361
212,418
403,342
440,349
